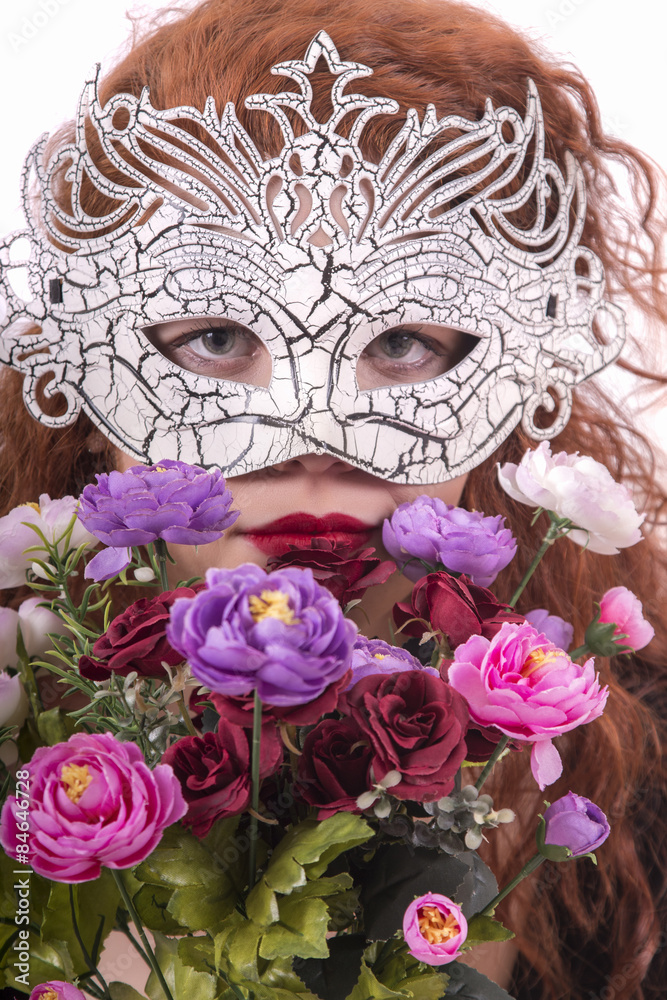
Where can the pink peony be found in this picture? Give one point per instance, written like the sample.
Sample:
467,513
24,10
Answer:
58,990
93,802
527,688
620,607
434,929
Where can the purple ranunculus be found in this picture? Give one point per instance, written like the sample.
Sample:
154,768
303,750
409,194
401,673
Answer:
280,633
56,989
171,500
93,802
556,629
575,822
461,541
374,656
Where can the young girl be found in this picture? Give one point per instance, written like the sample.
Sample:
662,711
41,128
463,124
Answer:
344,303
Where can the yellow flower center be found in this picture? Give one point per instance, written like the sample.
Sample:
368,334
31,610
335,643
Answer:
76,777
159,468
435,926
272,604
35,506
538,658
49,995
379,656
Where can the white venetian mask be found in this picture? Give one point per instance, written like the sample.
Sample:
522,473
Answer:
316,253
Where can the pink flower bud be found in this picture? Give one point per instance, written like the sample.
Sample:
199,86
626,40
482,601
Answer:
620,607
434,929
58,990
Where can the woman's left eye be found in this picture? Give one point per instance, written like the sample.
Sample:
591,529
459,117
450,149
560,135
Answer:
216,348
403,355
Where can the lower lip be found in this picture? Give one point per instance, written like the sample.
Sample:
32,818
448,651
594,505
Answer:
279,544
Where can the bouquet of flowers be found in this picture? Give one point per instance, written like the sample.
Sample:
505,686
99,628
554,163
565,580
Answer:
309,823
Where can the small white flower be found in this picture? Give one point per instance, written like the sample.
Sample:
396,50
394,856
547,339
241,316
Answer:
52,518
383,807
580,489
144,574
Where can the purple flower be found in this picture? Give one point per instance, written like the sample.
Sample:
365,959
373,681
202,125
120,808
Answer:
620,607
556,629
461,541
56,990
93,802
575,822
179,503
281,633
373,656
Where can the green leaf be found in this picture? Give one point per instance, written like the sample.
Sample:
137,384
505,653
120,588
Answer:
426,987
183,981
370,988
301,930
201,891
198,953
482,929
121,991
151,903
96,903
54,726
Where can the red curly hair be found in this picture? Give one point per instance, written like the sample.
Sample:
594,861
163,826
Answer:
581,933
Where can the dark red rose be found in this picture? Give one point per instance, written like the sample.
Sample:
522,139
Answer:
214,772
136,640
345,572
416,724
239,710
334,769
481,742
456,607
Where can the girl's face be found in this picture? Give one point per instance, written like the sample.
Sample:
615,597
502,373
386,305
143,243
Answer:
291,502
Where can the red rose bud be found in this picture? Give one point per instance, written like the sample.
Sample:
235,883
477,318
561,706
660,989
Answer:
346,573
136,640
214,772
416,725
456,607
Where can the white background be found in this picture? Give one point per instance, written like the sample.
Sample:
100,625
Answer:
48,47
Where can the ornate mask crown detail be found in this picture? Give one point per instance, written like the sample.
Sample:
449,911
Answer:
317,251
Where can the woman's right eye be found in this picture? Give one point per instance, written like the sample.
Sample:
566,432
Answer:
213,347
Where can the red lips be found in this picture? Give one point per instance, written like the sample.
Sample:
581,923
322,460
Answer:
275,538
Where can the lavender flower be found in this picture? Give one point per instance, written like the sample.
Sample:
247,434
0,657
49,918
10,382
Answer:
461,541
179,503
374,656
556,629
576,823
280,633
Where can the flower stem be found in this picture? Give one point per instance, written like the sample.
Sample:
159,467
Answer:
527,869
553,533
579,651
161,553
254,777
185,715
488,767
88,960
118,879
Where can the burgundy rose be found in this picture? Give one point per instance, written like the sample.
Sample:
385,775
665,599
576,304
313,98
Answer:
344,571
416,725
239,710
334,769
136,640
481,742
214,772
456,607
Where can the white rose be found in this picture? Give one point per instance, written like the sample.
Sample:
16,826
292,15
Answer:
52,518
580,489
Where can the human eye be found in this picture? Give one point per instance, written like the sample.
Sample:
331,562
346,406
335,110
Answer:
218,348
411,354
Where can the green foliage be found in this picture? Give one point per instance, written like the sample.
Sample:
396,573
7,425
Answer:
183,980
481,929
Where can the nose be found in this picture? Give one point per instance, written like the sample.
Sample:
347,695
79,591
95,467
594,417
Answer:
314,464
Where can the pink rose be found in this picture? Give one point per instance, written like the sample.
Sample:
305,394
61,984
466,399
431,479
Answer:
56,988
434,929
93,802
620,607
527,688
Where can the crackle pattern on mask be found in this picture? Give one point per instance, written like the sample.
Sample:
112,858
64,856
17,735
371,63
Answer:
202,229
